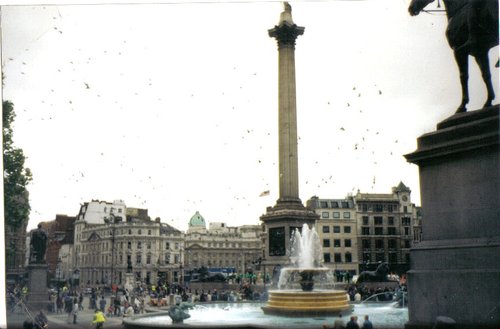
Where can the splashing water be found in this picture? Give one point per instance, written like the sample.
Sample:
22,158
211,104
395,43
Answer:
305,250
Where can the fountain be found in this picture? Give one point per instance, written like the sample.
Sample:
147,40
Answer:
306,270
305,298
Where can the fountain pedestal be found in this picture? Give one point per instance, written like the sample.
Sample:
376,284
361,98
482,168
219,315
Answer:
454,271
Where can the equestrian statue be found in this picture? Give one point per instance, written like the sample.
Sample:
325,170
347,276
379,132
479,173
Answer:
472,30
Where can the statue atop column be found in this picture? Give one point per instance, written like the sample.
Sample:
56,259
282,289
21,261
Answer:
38,245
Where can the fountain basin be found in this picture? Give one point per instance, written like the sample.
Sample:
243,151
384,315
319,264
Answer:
297,303
249,315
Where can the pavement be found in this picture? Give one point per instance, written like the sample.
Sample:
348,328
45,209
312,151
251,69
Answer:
59,320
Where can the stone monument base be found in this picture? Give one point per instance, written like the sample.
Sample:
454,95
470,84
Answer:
38,297
454,271
285,216
129,282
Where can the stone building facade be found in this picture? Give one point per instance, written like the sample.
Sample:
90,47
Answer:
386,224
337,229
222,246
126,237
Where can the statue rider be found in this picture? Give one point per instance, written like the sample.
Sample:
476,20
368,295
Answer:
473,7
38,244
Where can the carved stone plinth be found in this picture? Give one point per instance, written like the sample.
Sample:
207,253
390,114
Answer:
38,297
454,271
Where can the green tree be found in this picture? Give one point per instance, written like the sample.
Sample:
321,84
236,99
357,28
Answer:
16,177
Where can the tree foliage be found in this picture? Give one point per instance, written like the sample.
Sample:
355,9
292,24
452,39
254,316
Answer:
16,177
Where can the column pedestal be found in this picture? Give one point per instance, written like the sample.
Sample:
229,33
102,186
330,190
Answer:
455,270
38,296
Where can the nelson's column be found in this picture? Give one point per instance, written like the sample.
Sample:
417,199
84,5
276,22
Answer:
289,213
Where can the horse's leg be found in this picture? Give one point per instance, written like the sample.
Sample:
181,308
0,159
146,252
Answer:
484,64
462,59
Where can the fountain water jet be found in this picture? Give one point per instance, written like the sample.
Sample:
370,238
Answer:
306,268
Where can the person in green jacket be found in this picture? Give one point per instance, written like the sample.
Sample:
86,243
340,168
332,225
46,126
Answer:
99,319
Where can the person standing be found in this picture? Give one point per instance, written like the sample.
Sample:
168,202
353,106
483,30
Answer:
353,323
75,310
339,323
367,324
68,307
99,319
102,304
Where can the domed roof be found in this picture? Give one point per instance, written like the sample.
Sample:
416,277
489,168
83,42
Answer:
197,221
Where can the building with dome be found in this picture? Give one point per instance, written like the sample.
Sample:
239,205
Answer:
221,247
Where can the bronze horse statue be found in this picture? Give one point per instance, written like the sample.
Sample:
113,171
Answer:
472,30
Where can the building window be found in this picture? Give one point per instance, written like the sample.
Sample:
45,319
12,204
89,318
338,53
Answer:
176,259
379,257
405,209
348,257
326,257
167,245
347,214
365,243
366,257
326,243
347,243
167,258
364,207
347,229
391,231
129,232
323,204
336,243
406,221
336,214
393,258
148,245
407,243
365,220
129,245
365,231
378,208
326,229
391,243
337,257
149,232
378,220
335,204
139,245
325,214
277,241
138,259
176,245
390,220
390,208
379,231
148,259
345,204
336,229
379,244
407,231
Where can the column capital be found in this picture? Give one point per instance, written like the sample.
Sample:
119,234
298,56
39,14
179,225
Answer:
286,33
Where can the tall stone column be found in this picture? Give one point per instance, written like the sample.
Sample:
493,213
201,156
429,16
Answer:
289,213
286,32
455,270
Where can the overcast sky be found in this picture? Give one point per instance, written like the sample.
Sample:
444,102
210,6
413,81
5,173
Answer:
173,107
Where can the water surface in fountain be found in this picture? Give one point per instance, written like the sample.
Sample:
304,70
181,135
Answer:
220,315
